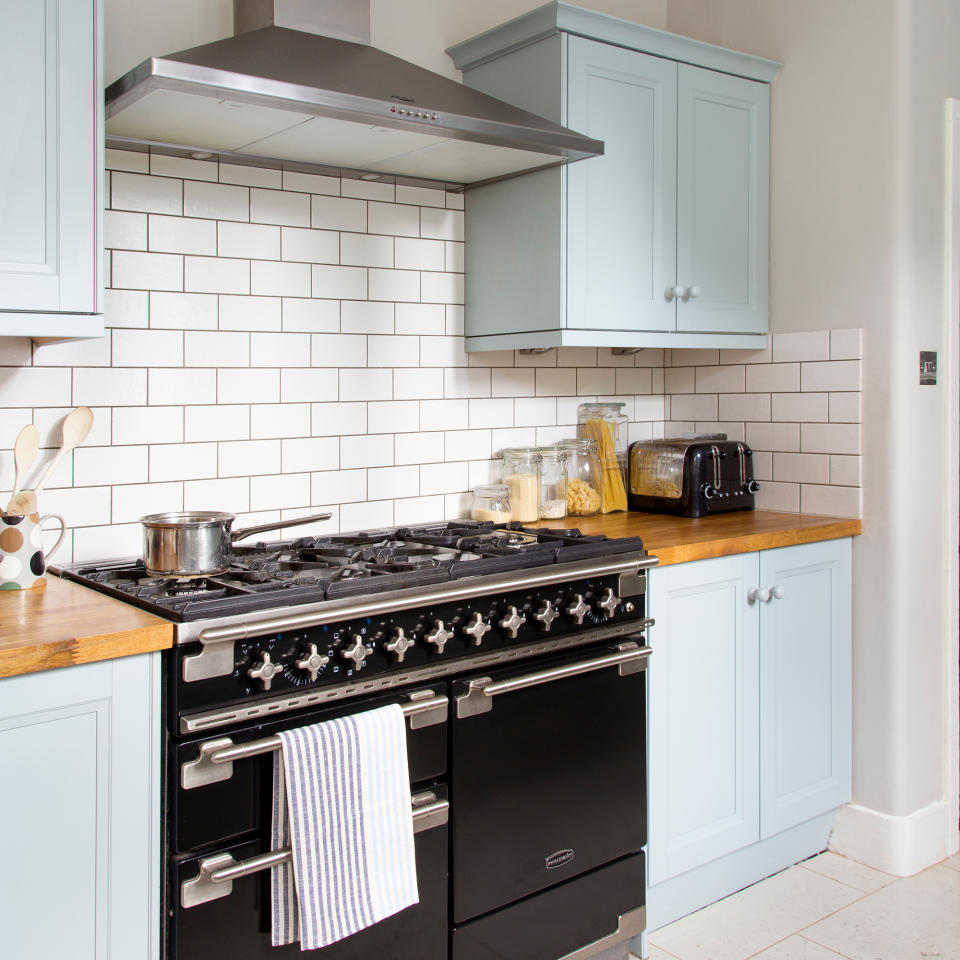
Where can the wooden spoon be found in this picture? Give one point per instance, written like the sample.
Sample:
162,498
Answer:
76,426
24,450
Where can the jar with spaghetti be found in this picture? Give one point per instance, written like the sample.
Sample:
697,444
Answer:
491,502
553,482
606,425
584,477
521,473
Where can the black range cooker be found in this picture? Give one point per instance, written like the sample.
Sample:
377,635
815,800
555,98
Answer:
518,656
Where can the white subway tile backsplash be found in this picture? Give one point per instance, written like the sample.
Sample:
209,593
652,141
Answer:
125,231
420,318
413,254
395,220
249,313
418,448
393,351
395,285
801,467
103,466
182,461
132,425
182,311
230,494
136,162
680,380
311,246
393,416
67,353
339,283
310,316
308,386
694,406
494,412
418,384
453,256
441,224
779,496
442,478
310,182
844,407
100,387
830,438
84,506
338,213
239,385
279,350
830,501
386,482
250,176
455,201
126,308
147,271
216,348
215,201
187,169
465,382
366,385
220,422
512,382
182,235
633,381
442,415
280,492
339,419
846,344
363,250
243,458
773,378
147,348
422,196
830,375
441,287
309,454
558,382
442,352
800,407
254,241
178,387
844,470
131,191
721,379
216,275
270,278
338,486
787,347
372,515
744,406
781,437
367,190
371,450
134,500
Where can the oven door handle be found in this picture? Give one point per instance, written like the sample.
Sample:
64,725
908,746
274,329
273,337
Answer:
215,878
480,691
215,762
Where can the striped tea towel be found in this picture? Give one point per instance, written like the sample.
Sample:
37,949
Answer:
341,800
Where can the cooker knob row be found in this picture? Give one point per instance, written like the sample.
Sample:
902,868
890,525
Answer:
400,644
476,628
265,670
546,615
609,603
357,653
439,635
312,662
512,622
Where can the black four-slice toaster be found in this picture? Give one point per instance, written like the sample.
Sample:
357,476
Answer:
691,477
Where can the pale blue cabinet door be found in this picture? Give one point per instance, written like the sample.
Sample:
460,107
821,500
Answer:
703,724
621,207
80,804
722,202
805,683
51,98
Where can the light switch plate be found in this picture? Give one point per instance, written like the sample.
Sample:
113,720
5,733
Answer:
928,368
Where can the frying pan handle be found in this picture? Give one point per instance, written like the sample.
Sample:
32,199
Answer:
244,532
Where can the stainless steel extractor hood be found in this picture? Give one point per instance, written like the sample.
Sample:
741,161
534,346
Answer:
300,82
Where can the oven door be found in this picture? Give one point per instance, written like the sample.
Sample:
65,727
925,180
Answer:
547,773
230,917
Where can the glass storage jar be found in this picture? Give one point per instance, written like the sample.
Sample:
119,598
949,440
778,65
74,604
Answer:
491,501
606,425
584,477
553,482
521,473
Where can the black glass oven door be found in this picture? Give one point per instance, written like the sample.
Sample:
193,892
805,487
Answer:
547,773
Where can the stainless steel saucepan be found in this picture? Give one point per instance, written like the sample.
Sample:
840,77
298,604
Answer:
196,543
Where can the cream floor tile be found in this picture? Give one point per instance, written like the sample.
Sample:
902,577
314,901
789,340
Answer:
755,918
911,919
797,948
953,862
850,872
655,953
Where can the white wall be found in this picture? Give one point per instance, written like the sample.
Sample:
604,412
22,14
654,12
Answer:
857,235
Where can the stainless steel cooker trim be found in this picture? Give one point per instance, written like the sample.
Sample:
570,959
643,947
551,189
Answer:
217,873
216,659
212,719
629,925
215,762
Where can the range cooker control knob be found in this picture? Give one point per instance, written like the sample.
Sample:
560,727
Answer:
512,622
439,635
357,653
313,662
577,611
609,603
476,628
546,615
399,645
265,670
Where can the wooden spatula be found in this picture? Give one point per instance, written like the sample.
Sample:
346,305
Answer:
24,450
76,426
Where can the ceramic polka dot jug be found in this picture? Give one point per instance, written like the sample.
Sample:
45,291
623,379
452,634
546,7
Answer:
22,561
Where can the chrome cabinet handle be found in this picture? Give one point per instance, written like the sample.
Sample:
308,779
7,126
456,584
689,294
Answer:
215,762
630,658
216,876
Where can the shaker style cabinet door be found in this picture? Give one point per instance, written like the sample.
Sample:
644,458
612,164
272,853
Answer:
723,134
50,162
704,725
621,207
80,753
805,683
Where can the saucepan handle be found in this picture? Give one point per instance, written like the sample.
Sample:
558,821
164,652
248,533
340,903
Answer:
244,532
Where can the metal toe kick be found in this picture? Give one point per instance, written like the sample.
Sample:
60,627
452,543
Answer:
629,924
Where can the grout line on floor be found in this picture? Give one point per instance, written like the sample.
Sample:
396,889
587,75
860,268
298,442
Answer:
850,886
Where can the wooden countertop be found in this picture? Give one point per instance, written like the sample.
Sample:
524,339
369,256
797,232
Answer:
65,623
679,539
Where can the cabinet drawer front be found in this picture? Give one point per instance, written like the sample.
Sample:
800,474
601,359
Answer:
722,201
621,207
703,713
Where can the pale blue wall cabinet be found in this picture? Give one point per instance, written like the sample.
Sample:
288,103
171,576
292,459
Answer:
80,752
662,241
750,718
51,163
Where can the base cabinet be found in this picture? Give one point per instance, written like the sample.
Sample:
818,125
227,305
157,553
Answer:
749,718
80,754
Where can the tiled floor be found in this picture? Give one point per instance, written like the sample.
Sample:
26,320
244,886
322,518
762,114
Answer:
827,908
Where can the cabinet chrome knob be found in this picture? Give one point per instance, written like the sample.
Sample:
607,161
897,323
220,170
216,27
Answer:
357,653
265,670
439,635
512,622
577,611
399,645
476,628
691,293
609,603
673,293
777,592
313,662
546,615
763,595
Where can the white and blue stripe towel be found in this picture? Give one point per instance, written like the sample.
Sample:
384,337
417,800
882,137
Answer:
341,800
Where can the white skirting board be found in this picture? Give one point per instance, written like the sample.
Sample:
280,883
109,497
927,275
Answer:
901,846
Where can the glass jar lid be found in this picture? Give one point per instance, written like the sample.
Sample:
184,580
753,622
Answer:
582,445
495,491
613,405
555,451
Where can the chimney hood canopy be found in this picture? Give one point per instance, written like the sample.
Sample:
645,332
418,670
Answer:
293,95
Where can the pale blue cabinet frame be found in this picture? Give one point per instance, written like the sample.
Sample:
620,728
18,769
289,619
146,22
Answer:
51,168
749,718
80,750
